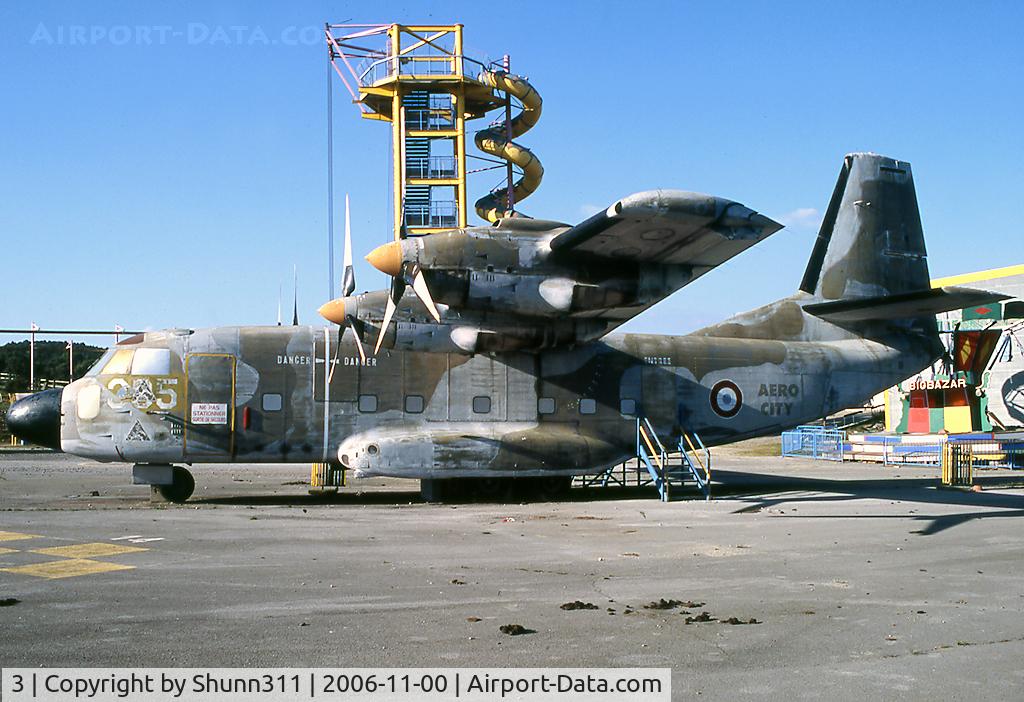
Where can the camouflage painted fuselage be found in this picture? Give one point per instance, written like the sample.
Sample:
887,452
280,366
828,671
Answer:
266,394
433,405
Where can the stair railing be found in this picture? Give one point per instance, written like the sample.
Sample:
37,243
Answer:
700,468
651,451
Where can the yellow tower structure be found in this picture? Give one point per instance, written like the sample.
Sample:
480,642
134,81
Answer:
418,79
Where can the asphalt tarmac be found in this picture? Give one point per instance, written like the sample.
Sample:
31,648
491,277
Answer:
865,582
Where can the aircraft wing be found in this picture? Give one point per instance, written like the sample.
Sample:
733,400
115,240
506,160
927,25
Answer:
691,231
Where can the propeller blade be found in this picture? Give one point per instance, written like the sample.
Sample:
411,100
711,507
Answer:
419,286
397,289
349,322
337,354
389,312
352,324
348,279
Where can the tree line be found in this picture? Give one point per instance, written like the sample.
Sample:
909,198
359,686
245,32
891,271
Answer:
51,362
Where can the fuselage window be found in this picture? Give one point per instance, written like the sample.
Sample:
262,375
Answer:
546,405
414,404
588,405
151,362
272,402
481,404
367,403
119,363
627,407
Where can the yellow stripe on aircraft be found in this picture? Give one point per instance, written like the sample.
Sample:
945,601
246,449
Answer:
991,274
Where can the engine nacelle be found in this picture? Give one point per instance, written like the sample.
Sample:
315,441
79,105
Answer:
460,331
515,272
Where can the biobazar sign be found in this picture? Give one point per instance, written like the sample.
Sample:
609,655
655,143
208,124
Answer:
938,384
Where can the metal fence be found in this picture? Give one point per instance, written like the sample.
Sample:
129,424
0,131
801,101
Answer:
986,450
895,452
41,383
430,167
957,464
437,214
814,441
433,65
437,118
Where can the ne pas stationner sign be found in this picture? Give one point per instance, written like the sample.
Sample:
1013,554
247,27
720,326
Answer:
209,413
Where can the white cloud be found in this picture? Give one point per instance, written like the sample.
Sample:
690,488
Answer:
802,218
589,209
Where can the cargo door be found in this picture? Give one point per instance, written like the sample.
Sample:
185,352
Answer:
660,399
210,405
274,411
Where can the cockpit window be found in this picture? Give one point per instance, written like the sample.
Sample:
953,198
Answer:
151,362
135,361
98,366
119,363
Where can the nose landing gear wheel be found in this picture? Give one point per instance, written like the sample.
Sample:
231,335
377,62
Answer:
181,489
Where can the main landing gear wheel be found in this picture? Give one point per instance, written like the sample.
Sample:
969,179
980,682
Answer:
179,490
489,489
554,488
499,489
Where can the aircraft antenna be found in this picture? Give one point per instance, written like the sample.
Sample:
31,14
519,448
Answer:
278,303
295,295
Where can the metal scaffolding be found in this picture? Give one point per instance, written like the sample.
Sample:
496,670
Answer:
418,79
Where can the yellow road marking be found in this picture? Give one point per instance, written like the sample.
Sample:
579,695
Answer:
88,550
15,536
7,550
69,568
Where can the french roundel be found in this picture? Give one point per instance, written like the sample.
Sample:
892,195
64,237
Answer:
726,398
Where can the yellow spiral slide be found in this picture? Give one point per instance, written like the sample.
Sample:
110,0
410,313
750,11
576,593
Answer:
495,141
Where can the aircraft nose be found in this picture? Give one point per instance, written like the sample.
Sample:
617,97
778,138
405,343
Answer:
36,418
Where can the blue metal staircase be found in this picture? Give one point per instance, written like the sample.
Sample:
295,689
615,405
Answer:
690,460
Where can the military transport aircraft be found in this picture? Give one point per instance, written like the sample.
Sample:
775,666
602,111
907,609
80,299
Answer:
502,364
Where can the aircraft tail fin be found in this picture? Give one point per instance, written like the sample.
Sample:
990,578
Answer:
871,244
868,272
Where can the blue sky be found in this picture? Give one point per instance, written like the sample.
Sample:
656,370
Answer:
166,165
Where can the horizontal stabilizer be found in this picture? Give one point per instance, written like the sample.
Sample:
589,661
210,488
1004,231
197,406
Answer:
903,306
